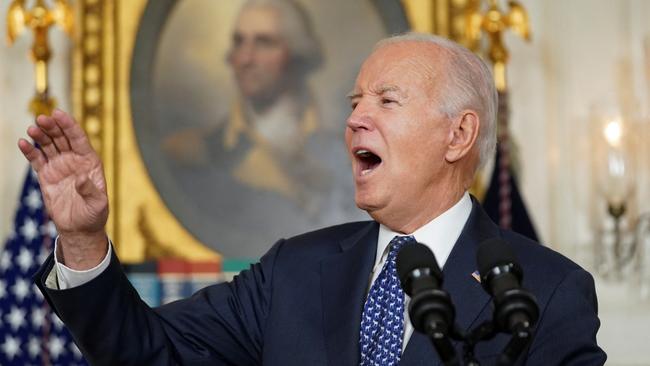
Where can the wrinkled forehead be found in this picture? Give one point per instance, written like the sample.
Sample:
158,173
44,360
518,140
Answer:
408,64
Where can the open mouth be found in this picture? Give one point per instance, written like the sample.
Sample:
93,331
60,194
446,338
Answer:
367,160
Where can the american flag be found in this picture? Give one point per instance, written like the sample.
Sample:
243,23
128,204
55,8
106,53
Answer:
503,201
30,333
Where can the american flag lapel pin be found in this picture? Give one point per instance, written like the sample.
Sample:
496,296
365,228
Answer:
476,276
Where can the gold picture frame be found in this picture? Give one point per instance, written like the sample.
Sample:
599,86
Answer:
140,224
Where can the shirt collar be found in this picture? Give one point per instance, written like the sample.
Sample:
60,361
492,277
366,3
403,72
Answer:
439,234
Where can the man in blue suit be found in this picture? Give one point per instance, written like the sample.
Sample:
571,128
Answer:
422,121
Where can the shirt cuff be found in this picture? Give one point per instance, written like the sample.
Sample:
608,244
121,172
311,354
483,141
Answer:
69,278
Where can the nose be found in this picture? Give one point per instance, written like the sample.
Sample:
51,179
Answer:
360,119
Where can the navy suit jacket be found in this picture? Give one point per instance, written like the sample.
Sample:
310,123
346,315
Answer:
302,304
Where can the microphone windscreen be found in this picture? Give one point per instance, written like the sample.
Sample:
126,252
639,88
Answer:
415,256
493,252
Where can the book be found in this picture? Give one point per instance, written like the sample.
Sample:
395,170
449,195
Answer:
144,278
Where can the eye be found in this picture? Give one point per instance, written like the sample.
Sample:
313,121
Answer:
266,41
237,40
387,101
353,105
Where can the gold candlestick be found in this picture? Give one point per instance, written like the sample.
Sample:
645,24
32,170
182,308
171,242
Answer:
494,22
40,18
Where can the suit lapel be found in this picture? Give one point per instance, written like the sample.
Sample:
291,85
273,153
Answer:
466,293
344,281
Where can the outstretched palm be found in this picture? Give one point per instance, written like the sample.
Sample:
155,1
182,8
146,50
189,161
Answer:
70,174
60,180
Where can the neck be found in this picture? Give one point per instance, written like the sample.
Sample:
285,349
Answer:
261,105
409,215
423,214
290,101
290,90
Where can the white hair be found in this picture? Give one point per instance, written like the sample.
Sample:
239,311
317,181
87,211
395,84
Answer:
469,85
297,30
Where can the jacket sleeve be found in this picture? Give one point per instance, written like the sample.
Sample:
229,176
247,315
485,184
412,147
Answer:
222,324
568,326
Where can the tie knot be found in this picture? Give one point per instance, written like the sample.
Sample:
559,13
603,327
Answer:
398,242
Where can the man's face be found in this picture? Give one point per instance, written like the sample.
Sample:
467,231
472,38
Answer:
259,55
395,135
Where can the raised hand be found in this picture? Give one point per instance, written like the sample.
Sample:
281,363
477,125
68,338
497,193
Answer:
72,180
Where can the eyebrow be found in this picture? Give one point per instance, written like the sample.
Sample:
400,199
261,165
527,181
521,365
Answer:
353,95
380,91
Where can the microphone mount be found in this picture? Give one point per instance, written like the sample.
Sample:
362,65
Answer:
432,311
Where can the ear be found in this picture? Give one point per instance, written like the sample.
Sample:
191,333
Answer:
463,134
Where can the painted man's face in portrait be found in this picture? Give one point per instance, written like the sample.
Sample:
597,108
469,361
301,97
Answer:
259,55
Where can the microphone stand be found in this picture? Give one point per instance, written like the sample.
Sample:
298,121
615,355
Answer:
437,333
484,331
435,309
521,337
441,340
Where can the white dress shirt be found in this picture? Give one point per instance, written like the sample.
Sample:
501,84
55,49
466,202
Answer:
440,235
67,277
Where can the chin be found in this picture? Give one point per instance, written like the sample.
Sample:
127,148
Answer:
362,204
367,202
250,92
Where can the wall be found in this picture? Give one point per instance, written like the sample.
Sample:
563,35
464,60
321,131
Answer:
586,57
16,89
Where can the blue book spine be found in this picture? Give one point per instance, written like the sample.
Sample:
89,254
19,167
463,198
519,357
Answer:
148,287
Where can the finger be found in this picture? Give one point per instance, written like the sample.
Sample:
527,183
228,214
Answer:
35,156
43,140
73,132
47,124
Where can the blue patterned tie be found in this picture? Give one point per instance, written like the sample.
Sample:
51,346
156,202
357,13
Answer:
382,322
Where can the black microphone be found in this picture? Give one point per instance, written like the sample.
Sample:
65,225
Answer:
430,308
418,268
515,309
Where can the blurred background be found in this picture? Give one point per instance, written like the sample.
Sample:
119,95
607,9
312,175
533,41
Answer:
574,128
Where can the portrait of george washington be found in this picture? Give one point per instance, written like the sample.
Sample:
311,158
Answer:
244,133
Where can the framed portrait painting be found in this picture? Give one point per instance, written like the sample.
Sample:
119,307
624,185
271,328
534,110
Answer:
221,123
